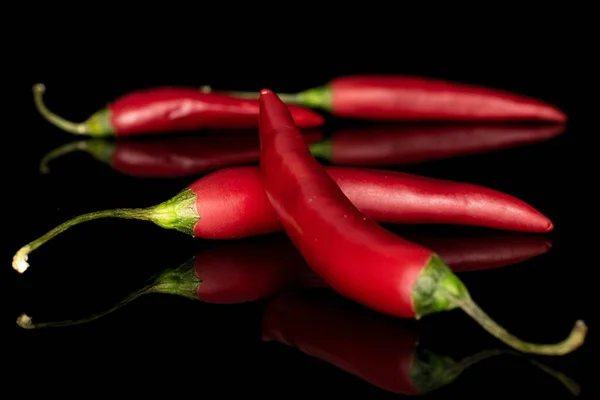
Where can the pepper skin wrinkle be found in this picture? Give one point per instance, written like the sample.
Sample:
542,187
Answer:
167,110
397,98
353,254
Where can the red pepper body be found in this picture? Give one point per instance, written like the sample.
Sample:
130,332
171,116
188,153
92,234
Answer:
398,98
404,145
363,344
479,253
355,256
172,109
251,270
232,202
183,156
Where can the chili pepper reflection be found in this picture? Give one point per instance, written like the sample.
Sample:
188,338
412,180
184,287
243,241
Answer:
406,145
380,350
172,157
261,267
479,253
373,146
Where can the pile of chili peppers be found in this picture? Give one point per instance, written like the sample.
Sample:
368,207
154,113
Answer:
328,216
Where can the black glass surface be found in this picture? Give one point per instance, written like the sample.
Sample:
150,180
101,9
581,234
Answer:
161,342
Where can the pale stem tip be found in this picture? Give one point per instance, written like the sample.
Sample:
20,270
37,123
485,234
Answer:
39,88
580,330
205,89
24,321
20,260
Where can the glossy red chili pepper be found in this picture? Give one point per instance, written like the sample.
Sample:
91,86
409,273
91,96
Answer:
173,157
383,352
252,269
405,145
230,273
168,110
402,98
231,203
352,253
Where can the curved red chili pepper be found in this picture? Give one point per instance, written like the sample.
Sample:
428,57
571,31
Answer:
406,145
405,98
383,352
355,256
256,268
231,203
173,157
167,110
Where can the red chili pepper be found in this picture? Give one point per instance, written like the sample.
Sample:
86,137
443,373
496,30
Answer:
230,273
405,145
352,253
383,352
365,146
168,110
483,252
402,98
252,269
173,157
231,203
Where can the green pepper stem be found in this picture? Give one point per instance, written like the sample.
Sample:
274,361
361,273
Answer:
179,212
81,145
20,259
318,97
68,126
289,98
572,342
322,149
569,383
439,289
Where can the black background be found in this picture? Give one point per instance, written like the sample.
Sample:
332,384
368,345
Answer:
163,343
